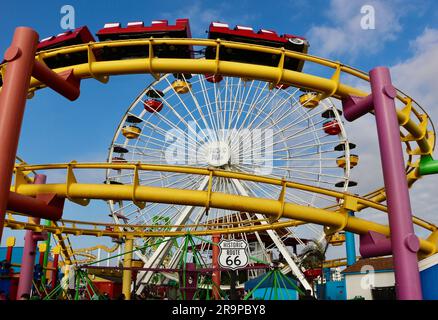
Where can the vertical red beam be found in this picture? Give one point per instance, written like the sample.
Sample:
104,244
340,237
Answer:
9,254
20,57
55,268
41,258
216,276
10,243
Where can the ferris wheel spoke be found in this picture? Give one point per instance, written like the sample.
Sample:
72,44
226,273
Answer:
263,107
208,106
224,112
198,108
243,104
189,112
252,106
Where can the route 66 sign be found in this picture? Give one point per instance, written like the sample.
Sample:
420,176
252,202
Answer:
233,254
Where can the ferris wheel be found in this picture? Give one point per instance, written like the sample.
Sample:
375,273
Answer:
233,124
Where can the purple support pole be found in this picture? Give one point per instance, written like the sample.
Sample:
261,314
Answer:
29,252
374,244
405,243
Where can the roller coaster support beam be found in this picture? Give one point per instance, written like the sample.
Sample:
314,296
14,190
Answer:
46,255
216,276
20,57
10,243
350,245
127,273
64,83
54,277
29,251
404,242
47,206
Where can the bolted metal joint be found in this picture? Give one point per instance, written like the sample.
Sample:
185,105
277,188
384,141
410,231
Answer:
12,53
390,91
412,242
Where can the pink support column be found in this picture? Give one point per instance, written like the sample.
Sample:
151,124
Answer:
20,57
29,251
216,276
405,243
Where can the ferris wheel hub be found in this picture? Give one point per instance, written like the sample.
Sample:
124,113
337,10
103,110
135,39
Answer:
218,153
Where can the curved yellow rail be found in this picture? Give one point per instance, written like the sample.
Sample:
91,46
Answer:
335,220
414,122
416,125
353,202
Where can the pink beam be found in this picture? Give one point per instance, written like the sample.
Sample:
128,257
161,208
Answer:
216,276
404,242
374,244
29,251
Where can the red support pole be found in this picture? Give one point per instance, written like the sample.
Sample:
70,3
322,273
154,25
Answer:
41,259
64,83
216,275
20,57
10,243
55,270
9,254
46,206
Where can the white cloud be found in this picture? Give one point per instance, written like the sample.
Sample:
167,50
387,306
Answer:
416,76
201,15
344,35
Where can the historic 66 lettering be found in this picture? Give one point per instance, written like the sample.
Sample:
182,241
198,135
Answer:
233,254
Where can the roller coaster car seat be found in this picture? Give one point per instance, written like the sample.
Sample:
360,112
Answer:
263,37
137,30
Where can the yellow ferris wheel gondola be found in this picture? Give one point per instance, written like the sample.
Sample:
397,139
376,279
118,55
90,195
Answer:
341,161
181,86
309,100
131,132
337,239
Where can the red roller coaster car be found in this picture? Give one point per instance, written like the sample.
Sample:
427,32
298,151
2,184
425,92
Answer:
264,37
68,38
137,30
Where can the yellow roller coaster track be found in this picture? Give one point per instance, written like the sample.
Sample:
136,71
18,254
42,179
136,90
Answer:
412,118
335,219
415,125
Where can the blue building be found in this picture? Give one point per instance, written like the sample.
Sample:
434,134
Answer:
429,277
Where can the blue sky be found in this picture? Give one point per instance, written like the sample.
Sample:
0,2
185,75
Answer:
56,130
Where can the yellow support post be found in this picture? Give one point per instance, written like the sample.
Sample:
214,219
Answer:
127,273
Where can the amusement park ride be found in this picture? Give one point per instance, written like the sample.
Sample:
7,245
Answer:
171,216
